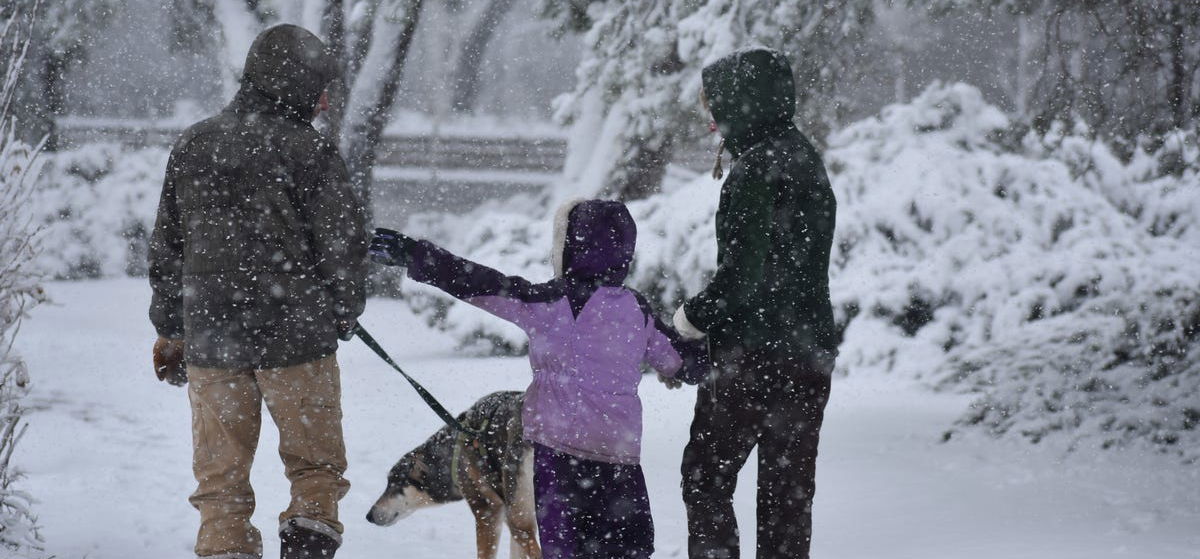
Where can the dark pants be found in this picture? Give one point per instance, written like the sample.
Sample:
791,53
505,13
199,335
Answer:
775,403
591,510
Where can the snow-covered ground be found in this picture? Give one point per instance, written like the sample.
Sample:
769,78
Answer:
108,457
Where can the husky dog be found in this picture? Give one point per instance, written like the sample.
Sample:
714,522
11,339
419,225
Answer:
493,473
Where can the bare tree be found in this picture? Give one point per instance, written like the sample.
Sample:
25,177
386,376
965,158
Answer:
61,38
1127,67
370,38
374,86
470,55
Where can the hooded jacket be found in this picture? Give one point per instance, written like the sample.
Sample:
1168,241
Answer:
259,247
775,219
588,335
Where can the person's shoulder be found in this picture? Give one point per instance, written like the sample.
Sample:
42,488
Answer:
763,162
544,292
639,299
218,124
306,141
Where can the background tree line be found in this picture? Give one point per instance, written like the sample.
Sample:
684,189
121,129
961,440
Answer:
1126,68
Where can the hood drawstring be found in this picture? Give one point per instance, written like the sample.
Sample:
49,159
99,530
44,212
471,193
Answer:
718,171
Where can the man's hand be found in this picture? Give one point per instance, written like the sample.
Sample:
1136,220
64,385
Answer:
346,329
387,247
670,382
168,361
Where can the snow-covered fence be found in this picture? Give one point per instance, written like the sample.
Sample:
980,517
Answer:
423,165
542,151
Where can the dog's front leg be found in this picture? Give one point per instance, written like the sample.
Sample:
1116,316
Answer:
487,525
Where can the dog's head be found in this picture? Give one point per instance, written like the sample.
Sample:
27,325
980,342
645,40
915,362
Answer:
406,491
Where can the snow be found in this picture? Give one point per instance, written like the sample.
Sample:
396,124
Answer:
96,206
412,123
489,176
108,456
238,31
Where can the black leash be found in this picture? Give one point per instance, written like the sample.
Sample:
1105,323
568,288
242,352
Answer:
432,402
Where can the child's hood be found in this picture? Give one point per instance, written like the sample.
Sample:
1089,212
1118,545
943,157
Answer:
593,240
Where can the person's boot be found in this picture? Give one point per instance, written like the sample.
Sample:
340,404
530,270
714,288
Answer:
301,538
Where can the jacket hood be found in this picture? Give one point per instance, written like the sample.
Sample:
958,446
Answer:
286,70
594,241
751,93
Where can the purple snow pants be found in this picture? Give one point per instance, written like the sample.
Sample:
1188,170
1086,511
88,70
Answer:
591,510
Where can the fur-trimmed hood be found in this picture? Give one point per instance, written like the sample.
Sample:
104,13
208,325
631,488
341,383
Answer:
594,241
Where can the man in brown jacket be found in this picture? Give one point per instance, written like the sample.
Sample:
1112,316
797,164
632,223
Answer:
257,263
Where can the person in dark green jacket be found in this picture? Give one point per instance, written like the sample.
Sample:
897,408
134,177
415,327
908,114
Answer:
766,314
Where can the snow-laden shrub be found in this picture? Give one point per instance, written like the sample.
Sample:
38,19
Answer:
19,291
1031,275
1052,277
1156,183
96,205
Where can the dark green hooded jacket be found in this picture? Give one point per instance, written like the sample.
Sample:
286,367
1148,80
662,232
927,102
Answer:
258,252
775,220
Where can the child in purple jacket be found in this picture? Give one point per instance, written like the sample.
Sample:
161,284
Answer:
588,338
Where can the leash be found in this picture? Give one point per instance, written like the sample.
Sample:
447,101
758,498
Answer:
430,401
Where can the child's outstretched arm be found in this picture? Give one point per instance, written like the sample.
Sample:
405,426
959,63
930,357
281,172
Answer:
488,289
672,355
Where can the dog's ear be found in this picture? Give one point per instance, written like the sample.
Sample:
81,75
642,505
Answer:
419,468
399,473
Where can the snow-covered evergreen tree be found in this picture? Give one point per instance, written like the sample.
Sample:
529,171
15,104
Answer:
638,86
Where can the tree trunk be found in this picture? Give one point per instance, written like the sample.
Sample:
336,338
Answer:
333,24
645,167
358,40
54,94
1177,90
379,95
1023,82
239,22
470,57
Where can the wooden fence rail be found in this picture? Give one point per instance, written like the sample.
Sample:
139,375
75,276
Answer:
415,171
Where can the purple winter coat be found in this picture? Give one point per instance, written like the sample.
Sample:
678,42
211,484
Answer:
588,334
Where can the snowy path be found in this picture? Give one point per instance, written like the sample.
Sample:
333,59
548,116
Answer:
108,456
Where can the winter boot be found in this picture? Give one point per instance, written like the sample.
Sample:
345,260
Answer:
301,538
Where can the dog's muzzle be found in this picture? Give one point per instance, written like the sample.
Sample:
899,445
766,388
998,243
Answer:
390,508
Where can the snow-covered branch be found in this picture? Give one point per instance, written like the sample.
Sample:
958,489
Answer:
19,291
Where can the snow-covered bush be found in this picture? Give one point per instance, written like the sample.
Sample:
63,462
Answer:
96,205
19,291
1046,274
1019,271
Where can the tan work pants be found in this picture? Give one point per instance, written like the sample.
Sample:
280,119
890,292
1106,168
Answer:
305,402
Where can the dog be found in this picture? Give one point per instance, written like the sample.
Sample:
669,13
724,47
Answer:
494,474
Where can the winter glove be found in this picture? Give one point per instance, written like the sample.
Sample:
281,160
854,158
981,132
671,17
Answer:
670,382
387,247
346,329
168,361
684,326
